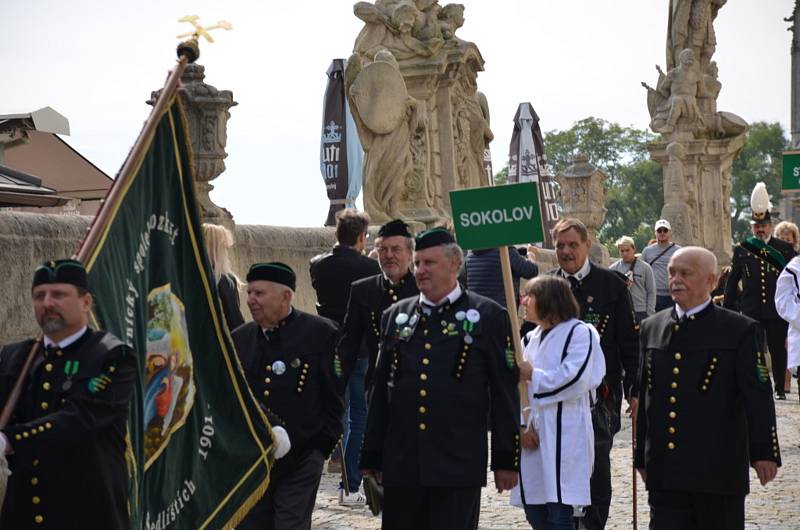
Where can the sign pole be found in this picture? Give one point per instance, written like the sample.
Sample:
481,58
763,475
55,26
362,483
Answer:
511,305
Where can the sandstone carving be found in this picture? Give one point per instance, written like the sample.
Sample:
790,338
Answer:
386,118
447,127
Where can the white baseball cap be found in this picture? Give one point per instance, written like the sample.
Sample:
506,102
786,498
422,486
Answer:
663,223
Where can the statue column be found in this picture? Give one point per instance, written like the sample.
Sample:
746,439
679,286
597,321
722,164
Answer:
583,194
207,115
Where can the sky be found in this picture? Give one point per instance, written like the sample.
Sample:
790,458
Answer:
96,62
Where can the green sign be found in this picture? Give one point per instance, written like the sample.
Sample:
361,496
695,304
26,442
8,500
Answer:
791,170
497,216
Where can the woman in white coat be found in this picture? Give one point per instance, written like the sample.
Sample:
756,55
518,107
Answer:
564,365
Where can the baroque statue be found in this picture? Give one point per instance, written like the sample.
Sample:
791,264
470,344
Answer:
685,97
386,118
698,143
446,131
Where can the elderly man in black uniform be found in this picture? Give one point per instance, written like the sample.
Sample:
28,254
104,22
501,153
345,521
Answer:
757,262
70,421
605,303
370,296
706,408
368,299
446,359
288,360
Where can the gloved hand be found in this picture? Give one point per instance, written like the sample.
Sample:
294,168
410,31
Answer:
282,442
4,445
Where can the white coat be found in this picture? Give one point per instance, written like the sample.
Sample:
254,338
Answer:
560,394
787,303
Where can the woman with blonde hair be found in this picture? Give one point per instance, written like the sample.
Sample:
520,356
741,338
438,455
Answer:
788,231
218,240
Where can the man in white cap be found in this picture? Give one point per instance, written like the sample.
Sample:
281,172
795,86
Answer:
657,256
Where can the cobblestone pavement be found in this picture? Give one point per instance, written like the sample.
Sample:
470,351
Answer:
774,507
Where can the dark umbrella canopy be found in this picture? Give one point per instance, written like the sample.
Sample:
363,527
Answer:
340,150
527,163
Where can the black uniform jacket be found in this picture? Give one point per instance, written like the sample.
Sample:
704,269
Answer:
369,298
705,406
68,435
606,304
332,273
437,378
759,273
290,370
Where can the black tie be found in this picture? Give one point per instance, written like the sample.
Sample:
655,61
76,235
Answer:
574,283
50,350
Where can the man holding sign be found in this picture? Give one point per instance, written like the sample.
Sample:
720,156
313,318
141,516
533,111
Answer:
446,367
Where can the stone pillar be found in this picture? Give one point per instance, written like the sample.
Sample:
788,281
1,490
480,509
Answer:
207,115
697,188
446,91
583,194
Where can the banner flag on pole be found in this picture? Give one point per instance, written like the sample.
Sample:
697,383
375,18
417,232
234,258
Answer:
341,155
527,163
198,442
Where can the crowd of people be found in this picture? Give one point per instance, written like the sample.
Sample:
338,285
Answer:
407,377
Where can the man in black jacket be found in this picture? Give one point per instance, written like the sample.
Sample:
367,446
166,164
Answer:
446,359
332,273
288,360
605,303
358,347
370,296
70,423
706,411
757,262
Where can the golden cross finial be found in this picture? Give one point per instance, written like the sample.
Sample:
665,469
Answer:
203,31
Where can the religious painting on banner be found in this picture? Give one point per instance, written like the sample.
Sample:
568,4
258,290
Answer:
340,149
198,442
527,163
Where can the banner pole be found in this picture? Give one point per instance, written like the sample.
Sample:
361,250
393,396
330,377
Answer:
137,152
188,52
511,306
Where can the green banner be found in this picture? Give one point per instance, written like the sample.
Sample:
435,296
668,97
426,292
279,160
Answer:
791,170
497,216
198,442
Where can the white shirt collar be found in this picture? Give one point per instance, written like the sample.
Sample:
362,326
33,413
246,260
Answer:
264,330
451,297
694,310
65,342
582,273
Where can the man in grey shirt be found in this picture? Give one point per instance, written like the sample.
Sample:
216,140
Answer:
641,282
657,256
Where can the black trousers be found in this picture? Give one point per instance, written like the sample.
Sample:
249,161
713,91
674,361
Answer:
672,510
290,497
423,508
775,330
605,423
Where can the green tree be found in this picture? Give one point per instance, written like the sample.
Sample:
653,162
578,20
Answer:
759,161
501,177
635,189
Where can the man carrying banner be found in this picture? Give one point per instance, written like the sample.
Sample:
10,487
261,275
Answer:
288,359
70,421
757,262
605,303
446,367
